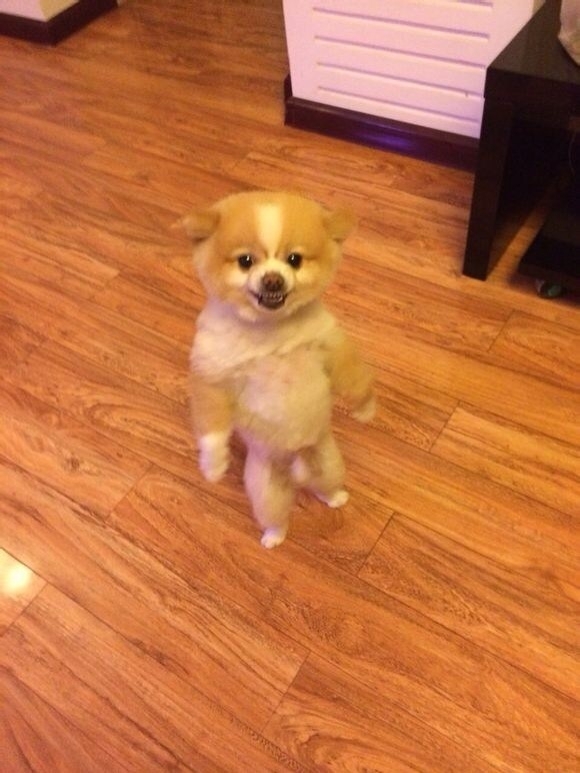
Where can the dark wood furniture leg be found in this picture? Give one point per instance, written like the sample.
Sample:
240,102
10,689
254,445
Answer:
493,149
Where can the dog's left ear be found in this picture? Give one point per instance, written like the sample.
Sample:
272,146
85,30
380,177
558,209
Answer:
339,224
200,225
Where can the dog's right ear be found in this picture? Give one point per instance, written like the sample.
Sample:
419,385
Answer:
200,225
339,223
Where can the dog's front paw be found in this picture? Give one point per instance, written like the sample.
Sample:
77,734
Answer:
274,536
338,499
214,455
335,500
366,411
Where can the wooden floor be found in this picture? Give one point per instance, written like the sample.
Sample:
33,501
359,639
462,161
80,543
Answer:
430,625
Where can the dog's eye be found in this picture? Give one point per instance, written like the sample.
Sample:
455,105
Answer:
294,259
246,262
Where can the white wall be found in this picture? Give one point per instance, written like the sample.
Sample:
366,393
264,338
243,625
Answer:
417,61
35,9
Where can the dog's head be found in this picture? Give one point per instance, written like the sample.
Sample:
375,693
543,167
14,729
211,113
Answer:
267,254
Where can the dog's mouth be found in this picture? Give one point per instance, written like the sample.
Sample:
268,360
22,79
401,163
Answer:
270,299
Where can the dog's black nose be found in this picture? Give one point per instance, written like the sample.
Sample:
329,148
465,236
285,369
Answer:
273,292
273,282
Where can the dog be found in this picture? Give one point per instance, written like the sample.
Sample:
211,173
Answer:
267,357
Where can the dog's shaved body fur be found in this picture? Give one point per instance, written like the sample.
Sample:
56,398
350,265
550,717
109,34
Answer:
267,356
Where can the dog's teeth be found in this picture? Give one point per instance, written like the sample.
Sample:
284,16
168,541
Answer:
271,299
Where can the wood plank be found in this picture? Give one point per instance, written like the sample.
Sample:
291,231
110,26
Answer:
522,535
198,184
90,333
64,453
17,340
439,678
419,310
550,351
14,191
108,200
193,146
19,585
37,738
329,721
424,310
345,536
228,654
406,410
390,172
216,87
151,308
74,242
523,621
121,244
395,209
62,267
533,464
124,700
515,396
31,132
147,424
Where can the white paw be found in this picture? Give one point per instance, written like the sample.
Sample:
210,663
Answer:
214,456
367,411
213,470
338,499
274,536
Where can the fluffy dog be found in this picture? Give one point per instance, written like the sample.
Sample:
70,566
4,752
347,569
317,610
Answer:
267,357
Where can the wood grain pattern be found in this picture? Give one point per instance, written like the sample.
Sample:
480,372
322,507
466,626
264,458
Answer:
149,307
534,464
146,423
18,587
432,313
36,737
181,622
16,340
391,649
324,704
144,717
526,622
512,395
64,453
548,350
31,131
526,536
431,623
407,412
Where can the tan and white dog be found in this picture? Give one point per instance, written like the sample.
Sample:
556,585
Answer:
267,356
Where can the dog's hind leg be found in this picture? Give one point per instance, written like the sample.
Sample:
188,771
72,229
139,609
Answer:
327,472
272,493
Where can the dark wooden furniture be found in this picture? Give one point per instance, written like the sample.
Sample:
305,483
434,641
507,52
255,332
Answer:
532,90
59,27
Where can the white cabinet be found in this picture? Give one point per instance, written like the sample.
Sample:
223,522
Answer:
420,62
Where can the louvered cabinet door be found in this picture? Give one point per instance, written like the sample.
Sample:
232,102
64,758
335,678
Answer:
418,61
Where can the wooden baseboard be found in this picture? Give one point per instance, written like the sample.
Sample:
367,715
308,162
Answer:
59,27
429,144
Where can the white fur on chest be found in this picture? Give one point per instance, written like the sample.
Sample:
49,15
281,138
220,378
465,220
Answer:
225,347
285,401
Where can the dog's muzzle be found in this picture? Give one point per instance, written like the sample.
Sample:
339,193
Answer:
273,292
